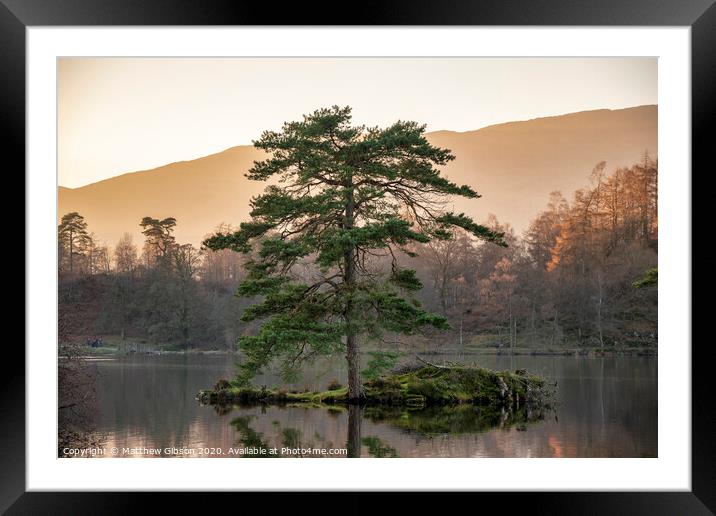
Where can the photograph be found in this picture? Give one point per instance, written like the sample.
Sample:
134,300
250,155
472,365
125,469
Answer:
357,257
424,236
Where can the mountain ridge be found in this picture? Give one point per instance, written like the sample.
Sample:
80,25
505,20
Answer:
438,131
514,165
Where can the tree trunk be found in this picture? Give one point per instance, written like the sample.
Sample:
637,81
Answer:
462,311
443,292
509,321
599,311
533,338
355,387
72,250
554,328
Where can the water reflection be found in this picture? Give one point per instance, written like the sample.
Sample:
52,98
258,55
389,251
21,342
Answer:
355,419
606,408
452,420
431,422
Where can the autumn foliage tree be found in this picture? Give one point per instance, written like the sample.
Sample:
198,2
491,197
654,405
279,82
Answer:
341,199
580,258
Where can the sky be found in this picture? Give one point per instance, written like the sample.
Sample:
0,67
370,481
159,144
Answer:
119,115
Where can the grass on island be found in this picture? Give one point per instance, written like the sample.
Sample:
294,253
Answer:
416,386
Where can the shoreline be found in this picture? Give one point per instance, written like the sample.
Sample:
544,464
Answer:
109,353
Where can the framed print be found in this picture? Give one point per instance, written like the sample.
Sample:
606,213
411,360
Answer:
428,241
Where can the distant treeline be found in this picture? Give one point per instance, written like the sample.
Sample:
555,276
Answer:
572,279
165,293
569,280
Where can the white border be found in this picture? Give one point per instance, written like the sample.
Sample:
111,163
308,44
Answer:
671,470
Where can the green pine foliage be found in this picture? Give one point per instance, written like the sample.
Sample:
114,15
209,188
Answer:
341,197
650,279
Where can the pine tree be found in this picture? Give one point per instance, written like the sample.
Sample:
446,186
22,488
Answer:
159,238
345,196
72,236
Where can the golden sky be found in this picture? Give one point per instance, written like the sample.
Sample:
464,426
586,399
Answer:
119,115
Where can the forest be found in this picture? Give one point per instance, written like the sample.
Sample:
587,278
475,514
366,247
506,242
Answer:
581,276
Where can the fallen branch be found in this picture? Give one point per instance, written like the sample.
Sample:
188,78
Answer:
437,366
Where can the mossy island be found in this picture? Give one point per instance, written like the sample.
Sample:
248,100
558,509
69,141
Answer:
412,386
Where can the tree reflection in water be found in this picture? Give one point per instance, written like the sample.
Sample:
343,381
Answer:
429,422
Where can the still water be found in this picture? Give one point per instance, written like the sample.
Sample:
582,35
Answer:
606,407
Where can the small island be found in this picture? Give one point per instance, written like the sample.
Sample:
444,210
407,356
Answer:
413,386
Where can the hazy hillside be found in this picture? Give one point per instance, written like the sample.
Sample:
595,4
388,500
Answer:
514,166
200,193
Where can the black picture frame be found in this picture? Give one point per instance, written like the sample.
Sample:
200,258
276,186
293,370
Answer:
700,15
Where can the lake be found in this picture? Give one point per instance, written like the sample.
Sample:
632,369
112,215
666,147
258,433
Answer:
606,407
